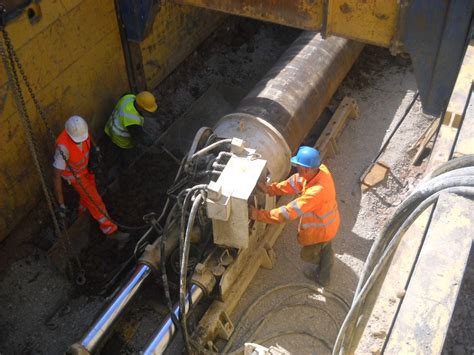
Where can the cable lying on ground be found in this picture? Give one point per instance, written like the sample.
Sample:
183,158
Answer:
261,322
456,176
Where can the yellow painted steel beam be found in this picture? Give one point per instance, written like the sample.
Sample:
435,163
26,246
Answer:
369,21
305,14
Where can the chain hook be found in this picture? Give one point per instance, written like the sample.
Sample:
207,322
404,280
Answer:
3,15
80,278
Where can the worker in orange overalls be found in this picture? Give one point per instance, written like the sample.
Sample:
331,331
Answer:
76,146
316,207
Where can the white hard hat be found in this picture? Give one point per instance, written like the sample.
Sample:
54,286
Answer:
77,129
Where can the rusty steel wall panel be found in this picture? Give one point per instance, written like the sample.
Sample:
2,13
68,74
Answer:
176,32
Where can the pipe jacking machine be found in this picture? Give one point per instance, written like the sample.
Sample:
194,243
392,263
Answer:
204,229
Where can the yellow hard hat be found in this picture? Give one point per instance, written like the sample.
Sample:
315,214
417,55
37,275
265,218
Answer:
146,100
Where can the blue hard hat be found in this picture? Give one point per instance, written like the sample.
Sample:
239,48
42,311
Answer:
307,157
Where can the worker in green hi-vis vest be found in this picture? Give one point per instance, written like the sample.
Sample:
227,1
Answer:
125,125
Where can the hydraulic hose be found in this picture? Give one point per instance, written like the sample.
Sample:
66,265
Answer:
184,268
456,176
170,222
188,192
424,191
210,147
139,246
458,163
446,180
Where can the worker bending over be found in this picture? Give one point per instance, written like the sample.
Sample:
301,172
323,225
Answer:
125,125
76,146
316,207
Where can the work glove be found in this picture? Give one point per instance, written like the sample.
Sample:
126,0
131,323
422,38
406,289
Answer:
252,212
147,140
140,136
262,186
63,211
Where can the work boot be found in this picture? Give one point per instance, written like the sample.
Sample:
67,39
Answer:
311,272
323,281
119,236
327,262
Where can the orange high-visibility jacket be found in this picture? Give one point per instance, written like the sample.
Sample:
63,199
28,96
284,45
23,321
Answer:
78,159
316,206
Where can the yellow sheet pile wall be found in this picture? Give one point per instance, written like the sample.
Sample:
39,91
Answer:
74,60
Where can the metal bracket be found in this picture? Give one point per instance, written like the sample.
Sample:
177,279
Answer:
151,257
225,328
268,258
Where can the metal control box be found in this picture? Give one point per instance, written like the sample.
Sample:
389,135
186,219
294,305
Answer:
227,204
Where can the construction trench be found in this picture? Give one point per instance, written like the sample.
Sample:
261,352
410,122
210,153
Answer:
226,77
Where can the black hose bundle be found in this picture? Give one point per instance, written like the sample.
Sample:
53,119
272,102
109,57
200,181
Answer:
456,176
196,192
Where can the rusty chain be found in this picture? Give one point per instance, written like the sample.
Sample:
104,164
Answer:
52,136
8,58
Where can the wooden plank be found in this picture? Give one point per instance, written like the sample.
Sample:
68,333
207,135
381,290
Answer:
374,175
423,141
465,142
442,147
423,320
326,143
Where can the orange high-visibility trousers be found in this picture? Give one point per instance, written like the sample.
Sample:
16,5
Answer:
88,184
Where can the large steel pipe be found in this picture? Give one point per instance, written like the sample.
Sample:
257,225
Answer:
159,342
278,113
98,331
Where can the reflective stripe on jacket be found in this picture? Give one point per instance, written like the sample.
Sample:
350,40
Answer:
125,114
316,207
78,159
